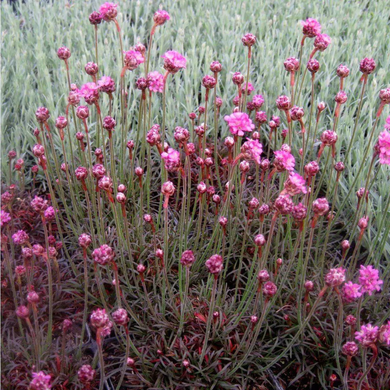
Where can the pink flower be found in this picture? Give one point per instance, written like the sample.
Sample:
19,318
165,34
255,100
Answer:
106,84
250,88
155,82
99,318
239,123
321,42
351,291
20,237
160,17
335,277
284,204
40,381
368,335
384,146
369,279
173,61
103,255
187,258
215,264
257,101
171,159
108,11
133,59
86,374
253,149
311,28
4,218
294,185
284,161
90,92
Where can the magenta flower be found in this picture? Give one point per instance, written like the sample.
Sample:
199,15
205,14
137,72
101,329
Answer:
173,61
335,277
103,255
239,123
369,279
384,146
99,318
171,159
284,204
160,17
368,335
351,292
108,11
311,28
367,65
106,84
20,237
250,88
4,218
40,381
215,264
253,149
322,41
90,92
284,161
257,101
86,374
187,258
133,59
155,82
294,185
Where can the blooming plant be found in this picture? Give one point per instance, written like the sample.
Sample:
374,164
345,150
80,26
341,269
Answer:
207,254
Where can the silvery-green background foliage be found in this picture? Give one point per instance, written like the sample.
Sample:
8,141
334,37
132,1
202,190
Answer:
203,31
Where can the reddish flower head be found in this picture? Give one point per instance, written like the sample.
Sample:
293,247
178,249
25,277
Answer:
313,65
160,17
311,28
321,42
133,59
342,71
291,64
187,258
283,102
320,206
103,255
86,374
106,84
248,39
63,53
214,264
367,65
335,277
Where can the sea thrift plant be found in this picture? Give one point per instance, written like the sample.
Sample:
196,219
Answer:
212,249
